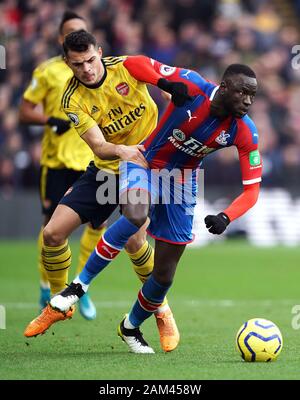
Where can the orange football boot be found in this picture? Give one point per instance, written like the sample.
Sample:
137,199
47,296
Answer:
168,331
49,316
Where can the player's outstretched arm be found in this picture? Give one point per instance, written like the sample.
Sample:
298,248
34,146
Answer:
216,224
177,90
109,151
144,69
30,114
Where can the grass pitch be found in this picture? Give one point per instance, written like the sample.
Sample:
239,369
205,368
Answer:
216,289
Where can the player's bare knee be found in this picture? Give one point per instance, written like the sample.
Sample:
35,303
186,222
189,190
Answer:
134,243
136,216
138,220
164,274
52,237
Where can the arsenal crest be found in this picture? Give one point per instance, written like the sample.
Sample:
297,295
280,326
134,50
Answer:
122,89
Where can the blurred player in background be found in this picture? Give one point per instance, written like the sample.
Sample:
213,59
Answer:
64,158
112,111
215,118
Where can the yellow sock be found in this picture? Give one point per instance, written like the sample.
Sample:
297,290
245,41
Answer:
43,274
89,239
143,263
57,261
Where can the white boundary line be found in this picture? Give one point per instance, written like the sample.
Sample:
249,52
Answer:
186,303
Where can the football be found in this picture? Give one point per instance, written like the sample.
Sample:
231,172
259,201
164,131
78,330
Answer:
259,340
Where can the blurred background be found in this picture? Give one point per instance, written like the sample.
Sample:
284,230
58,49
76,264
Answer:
204,35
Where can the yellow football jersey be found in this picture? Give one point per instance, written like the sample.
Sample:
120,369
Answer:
46,87
121,106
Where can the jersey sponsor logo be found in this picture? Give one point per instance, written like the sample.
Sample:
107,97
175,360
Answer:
222,138
120,121
94,109
122,88
179,135
166,70
192,147
254,158
74,118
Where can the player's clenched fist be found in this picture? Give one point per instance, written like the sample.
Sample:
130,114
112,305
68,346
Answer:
178,91
59,125
217,224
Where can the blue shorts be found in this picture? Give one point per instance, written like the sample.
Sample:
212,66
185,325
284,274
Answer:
173,199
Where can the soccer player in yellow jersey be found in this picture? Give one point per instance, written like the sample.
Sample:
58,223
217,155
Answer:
111,111
64,155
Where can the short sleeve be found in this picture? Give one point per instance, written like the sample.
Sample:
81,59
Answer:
82,121
38,87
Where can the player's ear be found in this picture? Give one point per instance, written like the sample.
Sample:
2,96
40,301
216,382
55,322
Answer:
100,51
60,39
66,60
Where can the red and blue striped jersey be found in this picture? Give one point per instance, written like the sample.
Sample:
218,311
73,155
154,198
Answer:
185,135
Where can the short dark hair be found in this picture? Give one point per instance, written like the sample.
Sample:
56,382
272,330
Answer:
235,69
67,15
78,41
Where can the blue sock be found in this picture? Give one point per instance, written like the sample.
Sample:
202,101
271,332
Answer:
149,299
108,247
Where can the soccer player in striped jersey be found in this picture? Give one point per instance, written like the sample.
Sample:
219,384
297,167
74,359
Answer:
64,158
112,111
215,118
